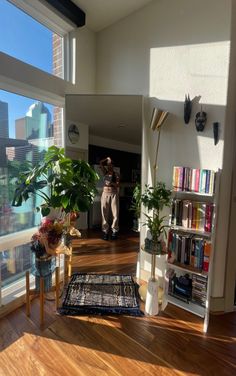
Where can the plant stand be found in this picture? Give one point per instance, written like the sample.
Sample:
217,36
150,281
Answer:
41,293
151,292
43,283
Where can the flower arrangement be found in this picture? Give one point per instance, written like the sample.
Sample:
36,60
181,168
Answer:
48,239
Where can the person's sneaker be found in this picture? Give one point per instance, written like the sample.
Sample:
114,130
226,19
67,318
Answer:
105,236
114,236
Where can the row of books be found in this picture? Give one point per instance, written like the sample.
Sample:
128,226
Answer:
199,289
189,250
192,214
193,180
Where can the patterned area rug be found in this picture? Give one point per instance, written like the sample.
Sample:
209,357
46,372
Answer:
101,294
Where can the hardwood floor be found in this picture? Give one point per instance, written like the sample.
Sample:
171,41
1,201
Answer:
169,344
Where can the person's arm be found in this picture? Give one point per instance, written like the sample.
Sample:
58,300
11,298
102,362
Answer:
101,164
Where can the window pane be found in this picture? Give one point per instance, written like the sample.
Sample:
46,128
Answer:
29,41
27,129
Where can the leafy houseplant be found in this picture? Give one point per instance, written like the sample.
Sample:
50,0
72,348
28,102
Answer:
60,181
136,206
155,199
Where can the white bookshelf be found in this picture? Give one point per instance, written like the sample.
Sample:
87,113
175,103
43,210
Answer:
182,269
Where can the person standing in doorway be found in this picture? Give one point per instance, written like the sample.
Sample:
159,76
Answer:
110,199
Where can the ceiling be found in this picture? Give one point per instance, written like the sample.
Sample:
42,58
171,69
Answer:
116,117
103,13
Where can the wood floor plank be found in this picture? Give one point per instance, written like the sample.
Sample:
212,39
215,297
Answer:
171,343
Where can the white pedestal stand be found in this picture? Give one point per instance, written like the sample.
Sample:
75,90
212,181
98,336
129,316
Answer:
152,303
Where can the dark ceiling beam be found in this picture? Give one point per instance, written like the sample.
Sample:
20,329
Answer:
69,10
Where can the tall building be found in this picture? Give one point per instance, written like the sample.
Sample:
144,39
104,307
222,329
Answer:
38,122
4,128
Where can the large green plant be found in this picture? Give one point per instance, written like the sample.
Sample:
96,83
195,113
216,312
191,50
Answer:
71,184
155,199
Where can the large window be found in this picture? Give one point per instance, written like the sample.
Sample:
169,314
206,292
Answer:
27,128
26,39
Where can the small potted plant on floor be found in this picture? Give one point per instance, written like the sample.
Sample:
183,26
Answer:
155,199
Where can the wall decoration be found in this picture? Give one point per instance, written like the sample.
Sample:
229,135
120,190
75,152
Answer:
73,133
200,120
187,109
76,135
216,132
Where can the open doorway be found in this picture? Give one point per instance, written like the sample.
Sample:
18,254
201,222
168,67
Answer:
102,125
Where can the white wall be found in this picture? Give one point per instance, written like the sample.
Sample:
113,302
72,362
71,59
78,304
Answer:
85,68
168,49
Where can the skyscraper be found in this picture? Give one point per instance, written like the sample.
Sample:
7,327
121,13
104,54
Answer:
4,128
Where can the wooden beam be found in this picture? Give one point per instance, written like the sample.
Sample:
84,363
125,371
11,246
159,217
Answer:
69,10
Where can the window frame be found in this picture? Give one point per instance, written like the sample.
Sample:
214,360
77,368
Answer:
56,97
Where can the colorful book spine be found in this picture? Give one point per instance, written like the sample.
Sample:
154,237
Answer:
185,214
197,180
206,256
212,183
208,176
193,180
202,185
208,217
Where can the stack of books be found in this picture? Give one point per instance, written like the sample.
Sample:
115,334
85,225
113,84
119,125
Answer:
189,250
193,180
192,214
199,289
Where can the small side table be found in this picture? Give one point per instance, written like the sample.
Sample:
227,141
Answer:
152,287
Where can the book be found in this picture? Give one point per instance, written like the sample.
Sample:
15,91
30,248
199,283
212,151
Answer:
197,180
185,213
202,184
212,182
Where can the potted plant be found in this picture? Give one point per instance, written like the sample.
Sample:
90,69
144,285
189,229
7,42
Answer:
136,206
60,181
64,184
155,199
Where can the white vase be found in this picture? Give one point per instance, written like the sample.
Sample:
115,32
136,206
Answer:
55,213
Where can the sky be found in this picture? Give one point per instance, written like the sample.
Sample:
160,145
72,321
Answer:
29,41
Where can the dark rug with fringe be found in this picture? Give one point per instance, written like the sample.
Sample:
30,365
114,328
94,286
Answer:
101,294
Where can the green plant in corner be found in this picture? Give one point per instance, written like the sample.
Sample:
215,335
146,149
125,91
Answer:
60,181
155,199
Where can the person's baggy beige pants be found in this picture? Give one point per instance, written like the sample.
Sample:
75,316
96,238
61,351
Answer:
110,209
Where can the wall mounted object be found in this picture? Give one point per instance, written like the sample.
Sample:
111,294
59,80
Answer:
216,132
200,120
187,109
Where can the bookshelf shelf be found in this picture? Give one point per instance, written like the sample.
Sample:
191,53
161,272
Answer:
189,193
187,268
191,231
190,307
188,275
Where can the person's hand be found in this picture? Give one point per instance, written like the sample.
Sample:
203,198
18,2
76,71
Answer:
108,160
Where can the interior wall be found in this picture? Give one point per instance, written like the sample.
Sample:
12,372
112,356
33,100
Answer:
85,56
230,275
164,51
